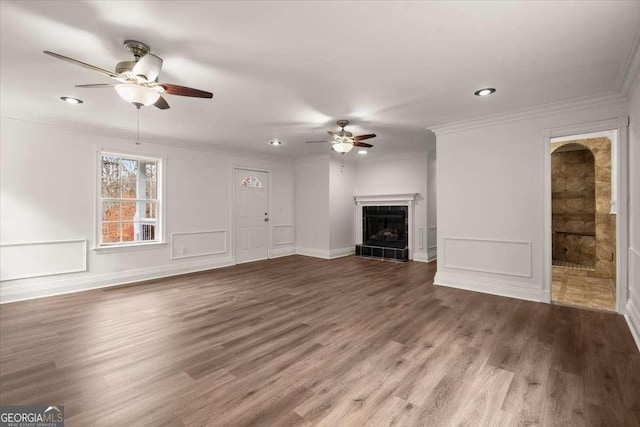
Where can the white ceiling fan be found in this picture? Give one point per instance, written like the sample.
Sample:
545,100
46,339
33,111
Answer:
343,141
138,79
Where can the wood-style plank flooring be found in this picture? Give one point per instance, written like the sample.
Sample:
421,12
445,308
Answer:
304,341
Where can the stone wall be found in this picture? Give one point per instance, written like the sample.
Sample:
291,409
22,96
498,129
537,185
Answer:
580,178
573,185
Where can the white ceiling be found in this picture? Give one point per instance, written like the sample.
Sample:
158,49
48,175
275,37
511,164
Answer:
289,70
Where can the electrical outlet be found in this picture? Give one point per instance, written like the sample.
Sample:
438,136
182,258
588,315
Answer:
185,250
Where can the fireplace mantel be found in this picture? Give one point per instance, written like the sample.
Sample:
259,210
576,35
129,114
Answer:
386,200
375,199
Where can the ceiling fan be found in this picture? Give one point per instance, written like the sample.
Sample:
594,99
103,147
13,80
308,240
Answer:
138,79
343,141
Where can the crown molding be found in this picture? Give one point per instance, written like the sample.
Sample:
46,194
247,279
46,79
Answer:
525,113
630,75
395,157
130,136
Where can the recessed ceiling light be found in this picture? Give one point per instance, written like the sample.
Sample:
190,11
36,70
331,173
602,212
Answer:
362,152
71,100
485,91
275,142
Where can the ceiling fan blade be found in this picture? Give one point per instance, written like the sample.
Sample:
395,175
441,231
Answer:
363,137
162,104
362,144
185,91
82,64
148,66
314,142
99,85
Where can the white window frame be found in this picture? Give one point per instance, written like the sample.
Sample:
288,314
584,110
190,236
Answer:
160,209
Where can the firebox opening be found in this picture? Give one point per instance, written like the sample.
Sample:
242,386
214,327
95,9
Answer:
385,226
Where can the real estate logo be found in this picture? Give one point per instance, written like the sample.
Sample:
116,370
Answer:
32,416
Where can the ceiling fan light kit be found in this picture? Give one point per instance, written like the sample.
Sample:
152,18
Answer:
343,147
343,141
138,79
137,95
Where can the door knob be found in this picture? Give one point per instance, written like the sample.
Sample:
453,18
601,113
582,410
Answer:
266,219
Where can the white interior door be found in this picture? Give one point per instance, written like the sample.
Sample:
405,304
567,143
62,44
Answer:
251,215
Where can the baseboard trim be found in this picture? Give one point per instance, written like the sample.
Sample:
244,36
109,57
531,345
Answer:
319,253
280,252
316,253
432,254
25,291
339,253
633,319
490,286
421,257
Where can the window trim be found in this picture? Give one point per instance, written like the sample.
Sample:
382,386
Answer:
160,198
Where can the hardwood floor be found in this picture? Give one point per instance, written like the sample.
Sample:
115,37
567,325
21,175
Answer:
304,341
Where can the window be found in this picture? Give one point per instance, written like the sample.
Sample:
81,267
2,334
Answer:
129,200
251,181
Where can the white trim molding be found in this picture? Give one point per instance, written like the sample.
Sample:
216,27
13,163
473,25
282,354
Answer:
421,257
339,253
24,291
446,257
281,252
407,199
503,288
525,113
289,241
316,253
126,135
38,250
384,199
633,303
631,70
331,254
175,255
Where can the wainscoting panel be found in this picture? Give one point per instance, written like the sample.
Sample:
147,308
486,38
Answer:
17,290
488,256
633,302
283,235
35,259
198,243
432,237
432,242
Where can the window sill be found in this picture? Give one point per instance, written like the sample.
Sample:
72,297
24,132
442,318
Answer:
126,248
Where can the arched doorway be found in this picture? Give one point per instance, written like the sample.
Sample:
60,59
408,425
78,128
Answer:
583,224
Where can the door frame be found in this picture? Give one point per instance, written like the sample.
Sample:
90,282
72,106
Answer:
621,124
232,208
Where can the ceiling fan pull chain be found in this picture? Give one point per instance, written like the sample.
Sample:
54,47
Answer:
138,128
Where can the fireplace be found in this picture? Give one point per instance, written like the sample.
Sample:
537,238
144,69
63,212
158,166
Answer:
385,232
385,226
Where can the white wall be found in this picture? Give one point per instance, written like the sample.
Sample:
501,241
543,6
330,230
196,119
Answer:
432,219
401,175
633,305
490,202
342,210
48,190
312,206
